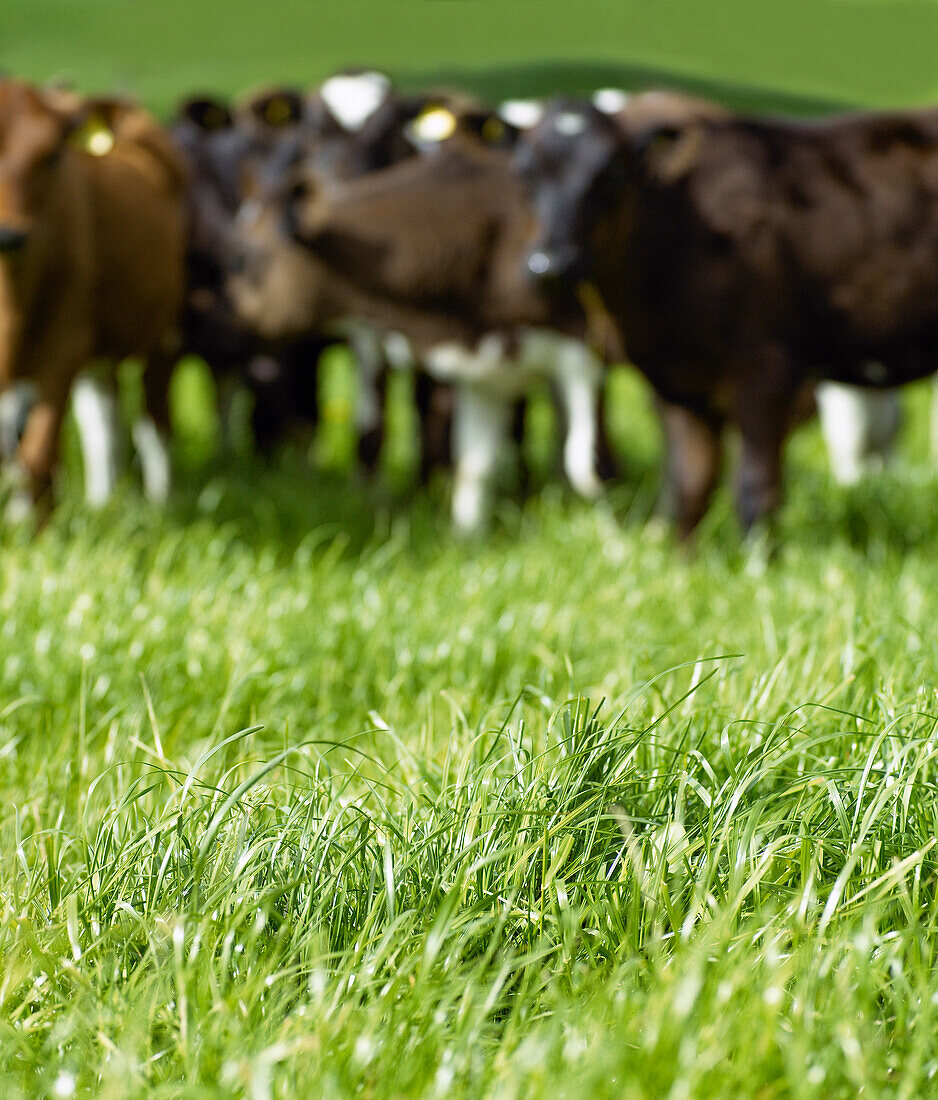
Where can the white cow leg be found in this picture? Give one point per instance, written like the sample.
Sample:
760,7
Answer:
370,372
95,407
845,420
885,422
480,428
579,377
155,467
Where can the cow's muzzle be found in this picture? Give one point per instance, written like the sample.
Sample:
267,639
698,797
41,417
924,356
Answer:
11,240
549,266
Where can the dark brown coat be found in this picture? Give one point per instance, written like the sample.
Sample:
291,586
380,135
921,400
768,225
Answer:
740,257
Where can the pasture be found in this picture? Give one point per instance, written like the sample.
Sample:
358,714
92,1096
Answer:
303,796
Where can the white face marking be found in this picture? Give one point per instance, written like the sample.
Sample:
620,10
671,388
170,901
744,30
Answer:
354,99
570,123
523,114
610,100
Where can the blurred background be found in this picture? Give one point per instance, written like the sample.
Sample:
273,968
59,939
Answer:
784,54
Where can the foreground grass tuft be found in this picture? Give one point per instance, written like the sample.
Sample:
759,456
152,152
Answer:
304,796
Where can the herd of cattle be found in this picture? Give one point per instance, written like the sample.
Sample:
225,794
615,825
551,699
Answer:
736,261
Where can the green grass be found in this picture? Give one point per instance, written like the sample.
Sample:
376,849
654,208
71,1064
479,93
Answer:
303,797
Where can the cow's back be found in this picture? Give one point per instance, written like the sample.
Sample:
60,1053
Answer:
441,232
137,195
821,236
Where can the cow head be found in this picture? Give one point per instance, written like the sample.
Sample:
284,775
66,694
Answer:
573,164
273,282
354,124
579,160
271,112
216,149
35,127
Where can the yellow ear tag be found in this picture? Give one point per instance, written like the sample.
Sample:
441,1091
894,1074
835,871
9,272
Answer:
278,111
434,124
493,130
94,138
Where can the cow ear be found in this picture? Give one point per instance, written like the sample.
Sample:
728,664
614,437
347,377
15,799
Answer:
67,104
670,152
88,122
281,107
206,113
93,133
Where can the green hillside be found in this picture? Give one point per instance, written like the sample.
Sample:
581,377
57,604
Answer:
871,52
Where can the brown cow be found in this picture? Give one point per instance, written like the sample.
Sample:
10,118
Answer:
91,256
739,258
431,248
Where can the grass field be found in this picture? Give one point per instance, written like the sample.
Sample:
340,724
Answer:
303,797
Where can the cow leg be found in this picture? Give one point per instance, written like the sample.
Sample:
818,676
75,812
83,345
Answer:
480,427
886,424
270,383
519,415
578,375
694,452
51,364
226,393
607,468
151,430
764,427
371,383
15,402
38,451
94,404
858,426
434,403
